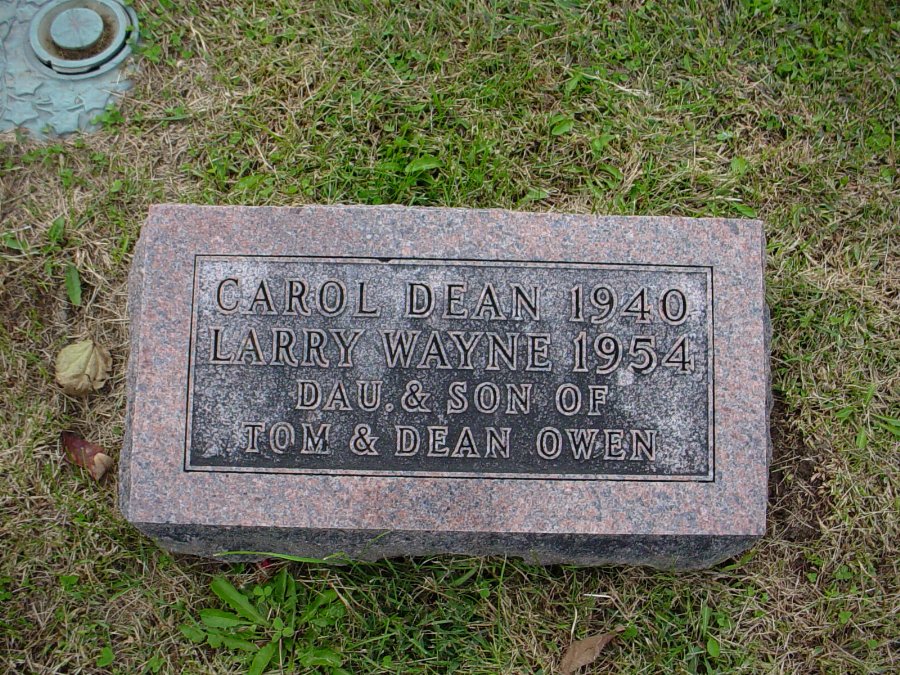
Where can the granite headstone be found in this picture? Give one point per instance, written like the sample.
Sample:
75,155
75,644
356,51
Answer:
382,381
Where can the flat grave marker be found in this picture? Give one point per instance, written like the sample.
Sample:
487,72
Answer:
379,381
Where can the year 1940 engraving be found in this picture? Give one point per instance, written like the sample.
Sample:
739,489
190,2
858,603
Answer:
489,369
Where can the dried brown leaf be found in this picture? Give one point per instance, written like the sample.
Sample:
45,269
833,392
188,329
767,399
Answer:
583,652
85,454
82,367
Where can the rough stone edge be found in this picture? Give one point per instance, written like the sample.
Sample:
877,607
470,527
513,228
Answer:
135,299
163,210
665,552
767,348
767,357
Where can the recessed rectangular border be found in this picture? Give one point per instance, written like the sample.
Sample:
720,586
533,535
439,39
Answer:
709,477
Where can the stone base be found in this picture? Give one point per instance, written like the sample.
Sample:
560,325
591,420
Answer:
674,552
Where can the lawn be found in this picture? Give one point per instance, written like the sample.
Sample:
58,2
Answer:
785,110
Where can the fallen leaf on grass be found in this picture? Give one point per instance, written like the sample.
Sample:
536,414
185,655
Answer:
81,367
88,455
583,652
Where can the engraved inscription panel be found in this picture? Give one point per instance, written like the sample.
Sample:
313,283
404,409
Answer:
487,369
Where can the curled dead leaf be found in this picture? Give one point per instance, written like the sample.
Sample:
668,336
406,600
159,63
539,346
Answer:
85,454
82,367
584,652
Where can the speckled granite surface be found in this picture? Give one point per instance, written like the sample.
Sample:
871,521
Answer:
679,525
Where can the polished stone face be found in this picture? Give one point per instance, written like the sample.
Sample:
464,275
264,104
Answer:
389,381
451,368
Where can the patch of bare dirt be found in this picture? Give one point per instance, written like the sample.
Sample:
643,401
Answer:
797,500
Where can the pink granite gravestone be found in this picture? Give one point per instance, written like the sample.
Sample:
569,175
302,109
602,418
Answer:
383,381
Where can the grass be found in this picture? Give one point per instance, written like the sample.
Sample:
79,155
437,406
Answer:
783,109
